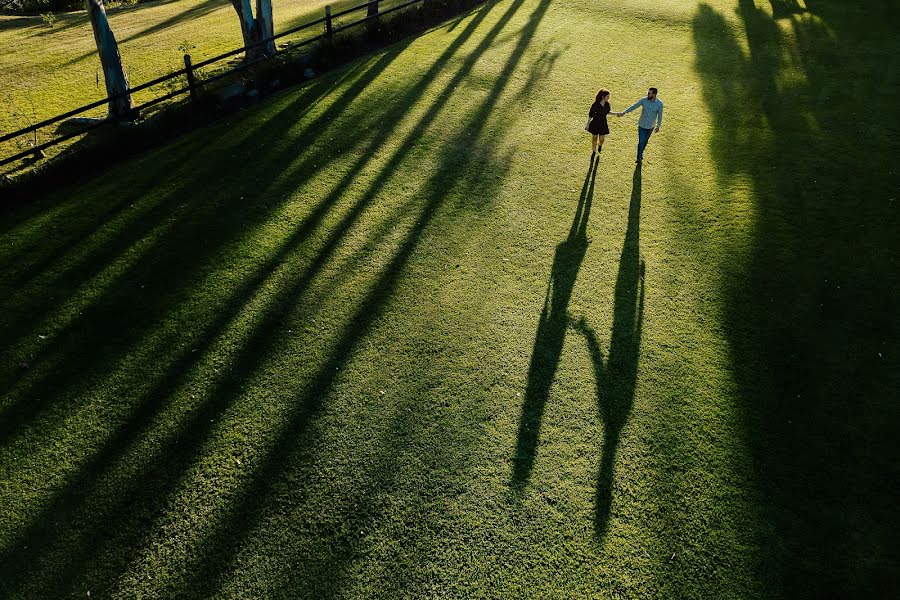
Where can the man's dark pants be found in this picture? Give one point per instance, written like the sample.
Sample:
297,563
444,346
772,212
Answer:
643,138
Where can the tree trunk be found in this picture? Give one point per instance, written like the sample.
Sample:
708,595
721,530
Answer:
108,49
265,26
245,16
255,29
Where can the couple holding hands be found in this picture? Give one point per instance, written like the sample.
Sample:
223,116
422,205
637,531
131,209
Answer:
650,121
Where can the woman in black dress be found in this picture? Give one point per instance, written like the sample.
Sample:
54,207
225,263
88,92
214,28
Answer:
597,125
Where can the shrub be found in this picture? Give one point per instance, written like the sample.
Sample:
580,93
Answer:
42,7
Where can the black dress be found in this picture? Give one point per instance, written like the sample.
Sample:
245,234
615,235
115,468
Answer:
598,113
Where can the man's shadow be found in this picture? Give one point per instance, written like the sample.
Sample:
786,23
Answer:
616,378
551,331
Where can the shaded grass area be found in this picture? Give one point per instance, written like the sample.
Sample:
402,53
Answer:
813,316
386,334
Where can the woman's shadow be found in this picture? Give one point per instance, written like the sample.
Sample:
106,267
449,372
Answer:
616,378
551,331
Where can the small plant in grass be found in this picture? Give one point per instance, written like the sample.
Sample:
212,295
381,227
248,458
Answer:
174,84
184,48
48,18
179,83
23,118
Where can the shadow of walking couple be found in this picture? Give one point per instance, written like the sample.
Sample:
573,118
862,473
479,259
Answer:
615,375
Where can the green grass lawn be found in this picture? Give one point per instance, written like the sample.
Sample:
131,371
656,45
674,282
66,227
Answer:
48,70
389,335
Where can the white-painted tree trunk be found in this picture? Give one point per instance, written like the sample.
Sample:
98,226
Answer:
111,61
265,26
245,16
255,29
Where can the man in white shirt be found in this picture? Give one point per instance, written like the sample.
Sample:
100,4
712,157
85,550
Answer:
650,121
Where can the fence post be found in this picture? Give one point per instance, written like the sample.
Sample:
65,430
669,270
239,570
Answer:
192,83
328,28
373,8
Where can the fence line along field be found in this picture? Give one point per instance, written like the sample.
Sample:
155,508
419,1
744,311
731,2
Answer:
48,69
39,136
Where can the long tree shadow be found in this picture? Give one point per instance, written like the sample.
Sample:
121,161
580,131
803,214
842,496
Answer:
80,19
288,179
22,23
198,11
454,170
616,377
130,504
272,170
39,396
159,272
811,314
551,331
165,268
33,258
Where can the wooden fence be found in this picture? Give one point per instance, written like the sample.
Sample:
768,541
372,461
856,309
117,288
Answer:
189,72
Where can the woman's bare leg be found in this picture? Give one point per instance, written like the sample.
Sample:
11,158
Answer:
601,139
594,143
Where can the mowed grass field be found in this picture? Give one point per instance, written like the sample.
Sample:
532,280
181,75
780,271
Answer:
391,335
48,70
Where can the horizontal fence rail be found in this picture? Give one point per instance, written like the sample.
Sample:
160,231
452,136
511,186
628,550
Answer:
189,71
87,107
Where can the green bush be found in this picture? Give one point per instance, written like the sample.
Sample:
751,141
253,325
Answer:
43,6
